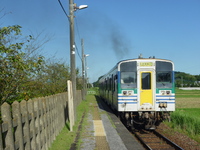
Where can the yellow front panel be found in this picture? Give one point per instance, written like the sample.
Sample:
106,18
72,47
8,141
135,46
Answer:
146,93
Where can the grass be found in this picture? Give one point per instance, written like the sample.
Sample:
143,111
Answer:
187,102
186,117
187,93
187,98
66,138
63,140
84,132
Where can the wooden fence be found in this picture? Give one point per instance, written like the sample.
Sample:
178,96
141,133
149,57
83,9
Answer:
34,124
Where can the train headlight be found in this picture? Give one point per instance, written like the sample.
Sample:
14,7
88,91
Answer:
165,92
124,92
128,92
168,92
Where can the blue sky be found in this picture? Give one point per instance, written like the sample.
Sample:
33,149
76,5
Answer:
114,30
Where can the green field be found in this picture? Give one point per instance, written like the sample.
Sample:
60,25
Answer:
186,118
187,93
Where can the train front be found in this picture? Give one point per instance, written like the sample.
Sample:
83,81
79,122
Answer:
146,91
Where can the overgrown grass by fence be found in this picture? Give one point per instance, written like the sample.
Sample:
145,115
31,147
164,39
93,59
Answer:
34,124
66,139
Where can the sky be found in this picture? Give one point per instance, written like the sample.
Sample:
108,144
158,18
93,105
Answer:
113,30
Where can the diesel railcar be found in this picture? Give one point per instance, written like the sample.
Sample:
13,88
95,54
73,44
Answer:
141,91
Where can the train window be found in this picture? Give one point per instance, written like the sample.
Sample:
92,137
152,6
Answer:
128,75
128,80
163,66
164,74
164,79
128,66
146,81
115,82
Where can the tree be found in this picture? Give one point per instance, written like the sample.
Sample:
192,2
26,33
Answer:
24,73
16,66
54,77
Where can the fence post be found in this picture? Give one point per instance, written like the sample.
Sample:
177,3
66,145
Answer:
53,117
48,122
57,115
70,104
26,127
45,122
37,124
6,117
41,116
19,131
32,124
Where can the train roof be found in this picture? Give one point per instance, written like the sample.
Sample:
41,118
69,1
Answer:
136,59
151,58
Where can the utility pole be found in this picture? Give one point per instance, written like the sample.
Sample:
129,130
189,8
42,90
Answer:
83,68
72,51
72,8
86,67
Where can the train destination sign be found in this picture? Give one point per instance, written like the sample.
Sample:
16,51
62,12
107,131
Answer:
146,64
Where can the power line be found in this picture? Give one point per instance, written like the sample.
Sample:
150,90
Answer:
78,52
63,9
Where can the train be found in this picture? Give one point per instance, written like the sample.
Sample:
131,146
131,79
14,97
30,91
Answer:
140,90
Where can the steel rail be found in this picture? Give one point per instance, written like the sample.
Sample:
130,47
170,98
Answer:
177,147
142,142
147,144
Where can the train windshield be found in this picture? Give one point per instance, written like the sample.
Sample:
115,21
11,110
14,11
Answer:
128,75
163,74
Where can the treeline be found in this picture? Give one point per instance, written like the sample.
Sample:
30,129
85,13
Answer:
187,80
24,73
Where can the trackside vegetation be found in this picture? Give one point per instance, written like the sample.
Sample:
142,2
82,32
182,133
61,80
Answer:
186,117
188,121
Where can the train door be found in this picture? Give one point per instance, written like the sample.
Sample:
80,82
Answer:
146,88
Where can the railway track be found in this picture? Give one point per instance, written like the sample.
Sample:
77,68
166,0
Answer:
152,140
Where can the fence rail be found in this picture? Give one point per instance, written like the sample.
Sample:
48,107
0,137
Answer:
34,124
